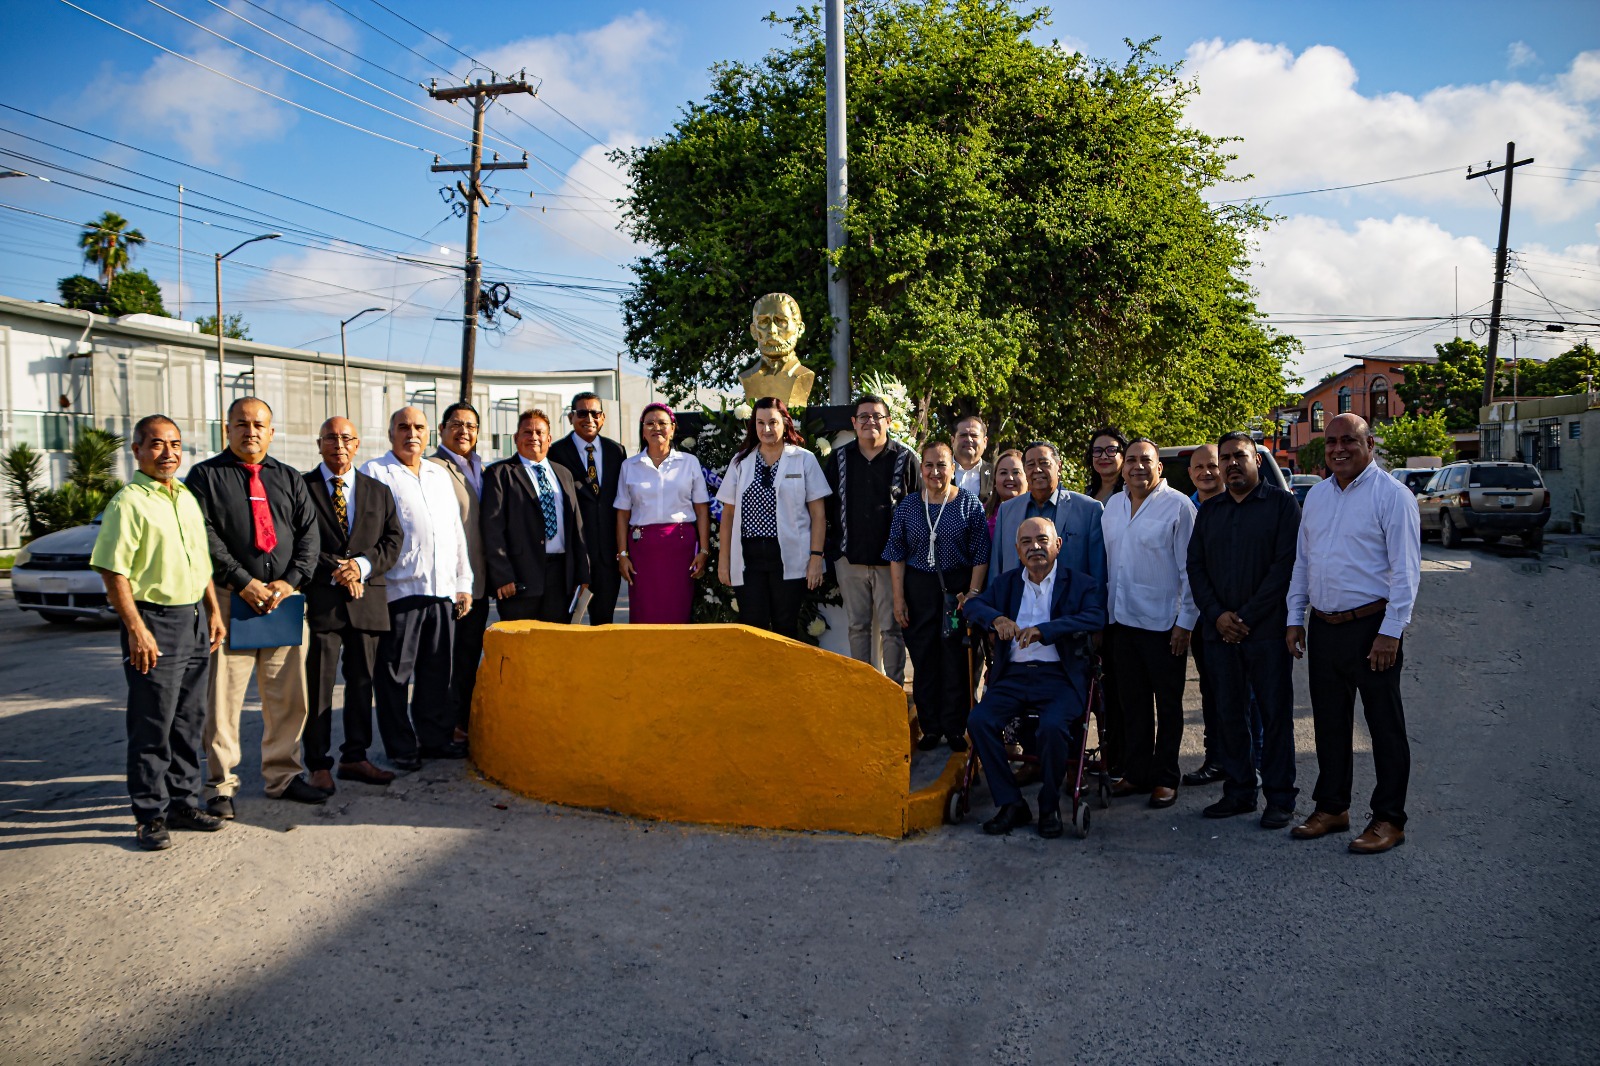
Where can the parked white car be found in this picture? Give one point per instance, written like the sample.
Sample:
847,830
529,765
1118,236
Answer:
51,575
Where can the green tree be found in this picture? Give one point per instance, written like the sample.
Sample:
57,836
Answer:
1416,434
1453,386
82,293
1561,376
107,243
1312,456
1029,230
89,486
135,293
233,326
23,468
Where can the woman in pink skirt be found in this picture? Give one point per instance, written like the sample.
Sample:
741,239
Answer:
663,524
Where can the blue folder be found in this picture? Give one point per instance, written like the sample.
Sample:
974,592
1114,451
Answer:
281,628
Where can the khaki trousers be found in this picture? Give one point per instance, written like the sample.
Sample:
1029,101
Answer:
281,680
868,595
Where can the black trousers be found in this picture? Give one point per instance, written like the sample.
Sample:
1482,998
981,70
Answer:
605,586
1148,672
464,660
767,599
1254,678
1337,670
1208,697
356,652
1057,693
416,654
941,683
166,711
554,604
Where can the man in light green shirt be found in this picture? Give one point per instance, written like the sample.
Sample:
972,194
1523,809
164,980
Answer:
153,556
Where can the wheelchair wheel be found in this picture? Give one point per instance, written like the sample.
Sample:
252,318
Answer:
1080,820
1103,794
955,807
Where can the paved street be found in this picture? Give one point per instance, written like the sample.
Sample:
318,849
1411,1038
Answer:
445,920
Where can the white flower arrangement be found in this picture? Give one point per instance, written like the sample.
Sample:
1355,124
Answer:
817,627
824,449
743,410
686,444
901,413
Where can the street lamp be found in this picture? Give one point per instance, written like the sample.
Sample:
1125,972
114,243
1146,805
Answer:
344,359
222,414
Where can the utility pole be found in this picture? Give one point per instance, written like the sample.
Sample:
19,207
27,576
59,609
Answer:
1509,167
838,182
481,94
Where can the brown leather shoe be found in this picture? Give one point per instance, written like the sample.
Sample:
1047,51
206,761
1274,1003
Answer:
365,772
321,779
1123,787
1160,796
1379,836
1320,824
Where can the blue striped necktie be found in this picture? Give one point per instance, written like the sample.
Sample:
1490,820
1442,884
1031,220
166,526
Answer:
547,502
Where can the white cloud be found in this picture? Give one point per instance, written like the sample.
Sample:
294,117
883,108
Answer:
1309,266
597,78
337,281
1305,124
583,213
1519,55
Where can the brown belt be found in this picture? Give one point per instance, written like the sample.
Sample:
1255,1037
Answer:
1339,618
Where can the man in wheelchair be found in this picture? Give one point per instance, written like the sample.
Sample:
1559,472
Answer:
1042,617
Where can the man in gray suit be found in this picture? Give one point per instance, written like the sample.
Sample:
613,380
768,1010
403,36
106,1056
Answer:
973,472
1076,517
458,454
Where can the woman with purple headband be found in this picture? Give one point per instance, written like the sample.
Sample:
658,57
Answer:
663,523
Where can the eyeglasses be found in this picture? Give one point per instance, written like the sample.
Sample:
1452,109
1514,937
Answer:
588,413
1110,451
333,437
456,423
870,419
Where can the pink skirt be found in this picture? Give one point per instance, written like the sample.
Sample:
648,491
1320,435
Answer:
663,591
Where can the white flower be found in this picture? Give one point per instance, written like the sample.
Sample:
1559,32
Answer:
817,627
742,411
687,444
734,604
824,449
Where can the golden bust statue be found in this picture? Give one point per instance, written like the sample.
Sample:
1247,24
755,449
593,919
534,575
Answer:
776,326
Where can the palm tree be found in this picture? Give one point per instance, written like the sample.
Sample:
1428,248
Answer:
107,243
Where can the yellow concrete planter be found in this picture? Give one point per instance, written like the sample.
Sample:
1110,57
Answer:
721,724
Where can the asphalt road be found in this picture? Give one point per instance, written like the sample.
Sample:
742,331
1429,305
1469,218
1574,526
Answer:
445,920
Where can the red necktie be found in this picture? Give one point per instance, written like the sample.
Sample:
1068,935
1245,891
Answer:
260,513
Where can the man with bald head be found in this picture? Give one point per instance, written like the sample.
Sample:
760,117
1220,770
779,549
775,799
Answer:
1041,614
430,586
1358,563
262,531
347,605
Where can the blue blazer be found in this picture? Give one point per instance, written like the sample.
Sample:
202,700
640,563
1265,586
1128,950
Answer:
1077,608
1083,546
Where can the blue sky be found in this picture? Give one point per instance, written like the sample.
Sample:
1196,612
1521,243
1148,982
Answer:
1324,95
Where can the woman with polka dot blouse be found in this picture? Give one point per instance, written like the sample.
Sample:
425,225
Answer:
938,555
772,525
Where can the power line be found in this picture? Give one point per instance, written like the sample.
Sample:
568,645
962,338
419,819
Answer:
330,44
392,39
441,40
1339,188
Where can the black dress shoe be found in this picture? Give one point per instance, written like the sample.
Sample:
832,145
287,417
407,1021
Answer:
302,791
1276,817
451,750
1228,806
1208,772
1049,824
1007,818
929,741
958,743
196,819
221,806
409,765
153,835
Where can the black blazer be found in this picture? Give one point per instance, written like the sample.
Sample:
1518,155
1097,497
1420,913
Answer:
513,530
221,485
374,533
1077,608
599,512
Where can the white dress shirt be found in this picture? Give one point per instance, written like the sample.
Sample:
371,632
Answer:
1357,545
969,479
1147,560
1035,611
558,543
661,495
433,557
470,465
583,447
798,480
349,478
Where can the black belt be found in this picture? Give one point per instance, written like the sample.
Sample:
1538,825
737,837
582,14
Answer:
1339,618
166,608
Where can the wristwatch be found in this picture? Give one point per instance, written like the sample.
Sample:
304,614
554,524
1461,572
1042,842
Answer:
819,555
622,555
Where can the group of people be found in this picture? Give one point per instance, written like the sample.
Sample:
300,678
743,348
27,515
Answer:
386,572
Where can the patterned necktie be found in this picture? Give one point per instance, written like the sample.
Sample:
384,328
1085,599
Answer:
260,512
594,475
340,507
547,502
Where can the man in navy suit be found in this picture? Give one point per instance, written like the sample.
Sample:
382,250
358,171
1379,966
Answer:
1042,615
1076,518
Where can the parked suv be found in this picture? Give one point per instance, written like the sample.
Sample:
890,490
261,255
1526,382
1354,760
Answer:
1175,468
1487,500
